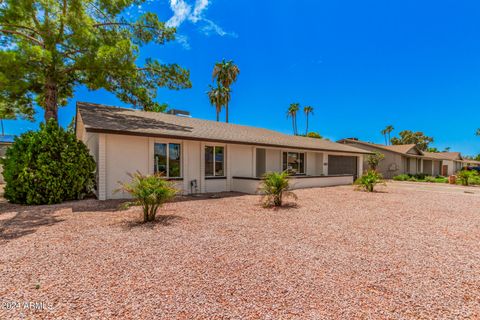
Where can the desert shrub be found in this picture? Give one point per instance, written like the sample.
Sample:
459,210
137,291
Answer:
275,186
430,179
369,180
465,177
374,159
47,166
420,176
401,177
150,192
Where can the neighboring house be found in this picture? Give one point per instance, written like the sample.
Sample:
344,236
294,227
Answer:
205,156
451,162
408,159
5,142
399,159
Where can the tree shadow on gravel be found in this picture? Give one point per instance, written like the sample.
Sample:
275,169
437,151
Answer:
26,222
162,220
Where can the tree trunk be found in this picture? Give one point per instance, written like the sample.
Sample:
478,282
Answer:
226,112
293,125
218,115
306,130
3,132
51,100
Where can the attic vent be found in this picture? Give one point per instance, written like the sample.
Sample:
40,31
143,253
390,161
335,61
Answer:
179,113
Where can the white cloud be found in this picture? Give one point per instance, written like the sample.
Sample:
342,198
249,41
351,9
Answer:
182,11
183,40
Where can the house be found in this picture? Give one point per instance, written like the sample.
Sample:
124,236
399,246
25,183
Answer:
400,159
5,142
451,162
205,156
408,159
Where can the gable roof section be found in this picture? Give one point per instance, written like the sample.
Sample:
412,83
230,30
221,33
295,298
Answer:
444,155
403,149
114,120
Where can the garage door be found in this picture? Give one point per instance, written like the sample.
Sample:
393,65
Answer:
342,165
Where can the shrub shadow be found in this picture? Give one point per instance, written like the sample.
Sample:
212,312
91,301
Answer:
163,220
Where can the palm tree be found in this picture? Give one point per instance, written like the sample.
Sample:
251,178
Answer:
384,134
478,132
218,97
292,112
388,129
226,73
308,110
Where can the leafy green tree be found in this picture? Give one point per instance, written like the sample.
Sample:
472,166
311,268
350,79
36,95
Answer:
373,160
49,47
219,97
226,73
409,137
47,166
314,135
292,113
478,132
432,149
307,110
14,111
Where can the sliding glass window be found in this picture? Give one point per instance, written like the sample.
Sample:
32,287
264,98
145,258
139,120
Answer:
167,159
214,161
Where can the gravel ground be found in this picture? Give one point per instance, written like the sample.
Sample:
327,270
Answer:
395,254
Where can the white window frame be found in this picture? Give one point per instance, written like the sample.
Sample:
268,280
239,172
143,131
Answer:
224,160
167,143
304,161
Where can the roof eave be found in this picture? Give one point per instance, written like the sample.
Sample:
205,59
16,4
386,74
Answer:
156,135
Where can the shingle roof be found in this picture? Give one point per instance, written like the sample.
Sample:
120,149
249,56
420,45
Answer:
101,118
444,155
402,149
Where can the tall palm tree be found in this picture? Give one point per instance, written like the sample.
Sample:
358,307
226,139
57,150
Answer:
226,73
308,110
478,132
384,134
218,97
292,112
389,130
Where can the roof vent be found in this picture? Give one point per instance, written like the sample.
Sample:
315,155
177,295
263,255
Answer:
180,113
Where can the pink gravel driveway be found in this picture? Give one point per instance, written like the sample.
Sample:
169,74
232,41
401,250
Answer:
341,254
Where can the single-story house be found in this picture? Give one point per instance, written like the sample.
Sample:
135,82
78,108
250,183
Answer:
451,162
205,156
399,159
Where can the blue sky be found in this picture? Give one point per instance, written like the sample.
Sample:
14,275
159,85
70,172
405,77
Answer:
361,64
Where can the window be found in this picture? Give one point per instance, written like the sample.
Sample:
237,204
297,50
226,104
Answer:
294,162
167,159
214,161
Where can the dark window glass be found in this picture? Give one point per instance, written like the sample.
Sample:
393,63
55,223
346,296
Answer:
174,160
160,158
294,162
219,156
209,161
302,163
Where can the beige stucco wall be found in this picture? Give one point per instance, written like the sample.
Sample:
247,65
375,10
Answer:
119,155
